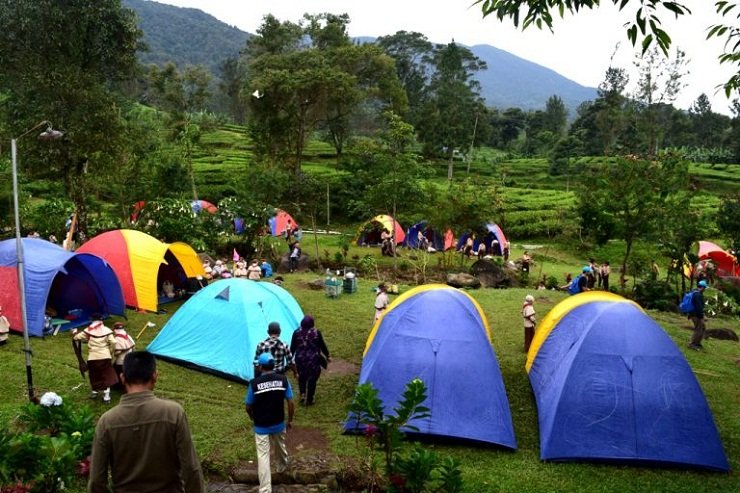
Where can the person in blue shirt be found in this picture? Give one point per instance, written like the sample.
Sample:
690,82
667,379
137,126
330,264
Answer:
696,315
265,406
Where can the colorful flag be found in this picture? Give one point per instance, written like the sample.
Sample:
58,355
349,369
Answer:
236,256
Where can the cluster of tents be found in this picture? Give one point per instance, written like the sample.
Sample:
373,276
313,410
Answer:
111,271
610,385
370,234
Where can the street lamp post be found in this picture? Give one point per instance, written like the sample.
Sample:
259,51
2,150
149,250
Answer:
48,134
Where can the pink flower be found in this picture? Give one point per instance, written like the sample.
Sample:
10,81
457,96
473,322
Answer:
83,467
371,430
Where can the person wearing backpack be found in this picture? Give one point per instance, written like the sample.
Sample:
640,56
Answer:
580,283
696,315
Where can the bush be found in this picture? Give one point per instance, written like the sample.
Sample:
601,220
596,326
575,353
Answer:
49,443
658,295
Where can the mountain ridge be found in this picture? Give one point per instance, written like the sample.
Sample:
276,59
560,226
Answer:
190,36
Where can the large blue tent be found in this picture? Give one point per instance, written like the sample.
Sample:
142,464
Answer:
218,329
610,385
490,233
436,240
70,286
440,335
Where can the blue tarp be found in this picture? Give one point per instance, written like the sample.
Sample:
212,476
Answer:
217,330
439,335
60,280
610,385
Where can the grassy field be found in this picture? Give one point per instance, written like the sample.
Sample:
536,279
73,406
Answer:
223,436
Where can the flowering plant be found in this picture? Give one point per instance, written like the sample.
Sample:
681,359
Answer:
41,451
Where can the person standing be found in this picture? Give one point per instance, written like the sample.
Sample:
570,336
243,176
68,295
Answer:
4,327
381,301
696,315
654,271
101,345
283,358
144,441
311,354
528,313
295,255
605,271
526,262
124,345
264,404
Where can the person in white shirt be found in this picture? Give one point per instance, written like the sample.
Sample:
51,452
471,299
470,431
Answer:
528,313
381,301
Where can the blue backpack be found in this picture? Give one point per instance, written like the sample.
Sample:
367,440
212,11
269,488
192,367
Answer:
575,285
687,303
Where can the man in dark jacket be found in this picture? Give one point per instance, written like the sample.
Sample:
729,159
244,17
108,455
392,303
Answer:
265,406
696,315
144,441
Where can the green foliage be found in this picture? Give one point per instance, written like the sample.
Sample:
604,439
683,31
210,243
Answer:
45,446
418,471
728,221
655,295
718,303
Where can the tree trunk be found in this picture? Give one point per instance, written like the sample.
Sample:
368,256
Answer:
449,168
623,271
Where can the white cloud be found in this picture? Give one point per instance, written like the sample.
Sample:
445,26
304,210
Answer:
580,47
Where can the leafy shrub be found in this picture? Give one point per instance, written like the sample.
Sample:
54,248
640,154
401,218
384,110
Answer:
419,471
657,295
42,452
717,302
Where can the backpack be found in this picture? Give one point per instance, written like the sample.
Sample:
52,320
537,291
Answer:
575,285
687,303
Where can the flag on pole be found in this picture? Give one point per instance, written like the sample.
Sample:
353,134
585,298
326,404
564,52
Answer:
236,256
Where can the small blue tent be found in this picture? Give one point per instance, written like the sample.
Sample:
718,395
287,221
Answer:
491,232
610,385
71,285
412,236
218,329
440,335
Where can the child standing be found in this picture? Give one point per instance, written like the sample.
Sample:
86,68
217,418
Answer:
528,314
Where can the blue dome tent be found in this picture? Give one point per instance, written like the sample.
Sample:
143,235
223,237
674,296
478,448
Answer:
73,286
611,386
491,232
217,330
438,241
440,335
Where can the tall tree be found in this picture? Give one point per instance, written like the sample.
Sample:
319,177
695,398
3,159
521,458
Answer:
412,53
646,26
449,114
628,199
555,117
62,62
660,82
297,84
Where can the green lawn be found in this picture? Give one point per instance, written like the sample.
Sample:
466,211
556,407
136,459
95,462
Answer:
223,437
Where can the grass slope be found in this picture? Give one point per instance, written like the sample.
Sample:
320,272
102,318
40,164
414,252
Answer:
223,435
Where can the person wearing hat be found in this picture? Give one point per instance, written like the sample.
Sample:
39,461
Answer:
101,345
264,404
124,345
4,327
311,354
528,313
696,315
277,348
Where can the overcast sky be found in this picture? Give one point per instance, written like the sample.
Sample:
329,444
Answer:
580,47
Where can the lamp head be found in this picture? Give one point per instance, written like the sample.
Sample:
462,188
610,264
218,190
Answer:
50,133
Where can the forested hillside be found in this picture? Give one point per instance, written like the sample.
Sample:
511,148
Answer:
185,36
190,36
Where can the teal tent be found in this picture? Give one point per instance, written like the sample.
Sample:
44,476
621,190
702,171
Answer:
218,329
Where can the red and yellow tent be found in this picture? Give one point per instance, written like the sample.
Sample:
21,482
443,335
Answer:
142,263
